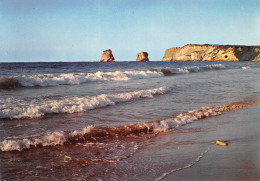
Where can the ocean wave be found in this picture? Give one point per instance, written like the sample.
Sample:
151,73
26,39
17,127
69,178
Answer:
91,133
75,104
191,69
44,80
9,83
51,139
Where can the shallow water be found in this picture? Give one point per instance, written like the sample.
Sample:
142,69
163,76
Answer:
70,121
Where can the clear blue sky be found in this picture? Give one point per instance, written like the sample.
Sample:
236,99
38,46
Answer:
79,30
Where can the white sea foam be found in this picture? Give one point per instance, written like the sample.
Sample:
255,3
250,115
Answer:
51,139
182,119
245,67
79,78
61,137
192,69
74,104
44,80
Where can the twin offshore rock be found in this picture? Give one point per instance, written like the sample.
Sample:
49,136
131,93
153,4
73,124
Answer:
107,56
142,57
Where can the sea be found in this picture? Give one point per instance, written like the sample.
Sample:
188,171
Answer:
114,120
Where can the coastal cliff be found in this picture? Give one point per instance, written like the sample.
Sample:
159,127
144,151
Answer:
194,52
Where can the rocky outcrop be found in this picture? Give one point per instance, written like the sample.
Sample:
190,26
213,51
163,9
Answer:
193,52
107,56
142,57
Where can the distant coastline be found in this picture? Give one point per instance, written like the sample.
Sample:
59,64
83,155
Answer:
206,52
189,52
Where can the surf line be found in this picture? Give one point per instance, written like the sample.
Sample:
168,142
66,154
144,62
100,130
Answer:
218,110
182,168
209,112
96,133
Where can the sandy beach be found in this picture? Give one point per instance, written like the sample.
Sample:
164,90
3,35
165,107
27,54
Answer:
240,160
190,152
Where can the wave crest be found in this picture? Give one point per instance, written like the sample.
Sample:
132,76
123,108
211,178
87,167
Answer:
79,78
44,80
9,83
95,134
191,69
52,139
75,104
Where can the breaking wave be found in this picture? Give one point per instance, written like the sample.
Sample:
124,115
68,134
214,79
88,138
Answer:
43,80
51,139
91,133
9,83
74,104
191,69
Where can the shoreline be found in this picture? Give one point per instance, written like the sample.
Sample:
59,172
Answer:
240,160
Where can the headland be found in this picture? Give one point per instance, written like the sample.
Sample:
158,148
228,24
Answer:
206,52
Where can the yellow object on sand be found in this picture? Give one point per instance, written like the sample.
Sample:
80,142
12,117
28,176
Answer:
221,143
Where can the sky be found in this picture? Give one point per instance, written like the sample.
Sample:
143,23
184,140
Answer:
79,30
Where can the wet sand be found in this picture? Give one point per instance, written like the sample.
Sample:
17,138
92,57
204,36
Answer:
189,152
240,160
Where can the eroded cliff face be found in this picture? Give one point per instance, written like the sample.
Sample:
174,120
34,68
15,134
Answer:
213,53
142,57
107,56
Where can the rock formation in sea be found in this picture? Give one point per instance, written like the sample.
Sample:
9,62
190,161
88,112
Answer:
107,56
142,57
194,52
